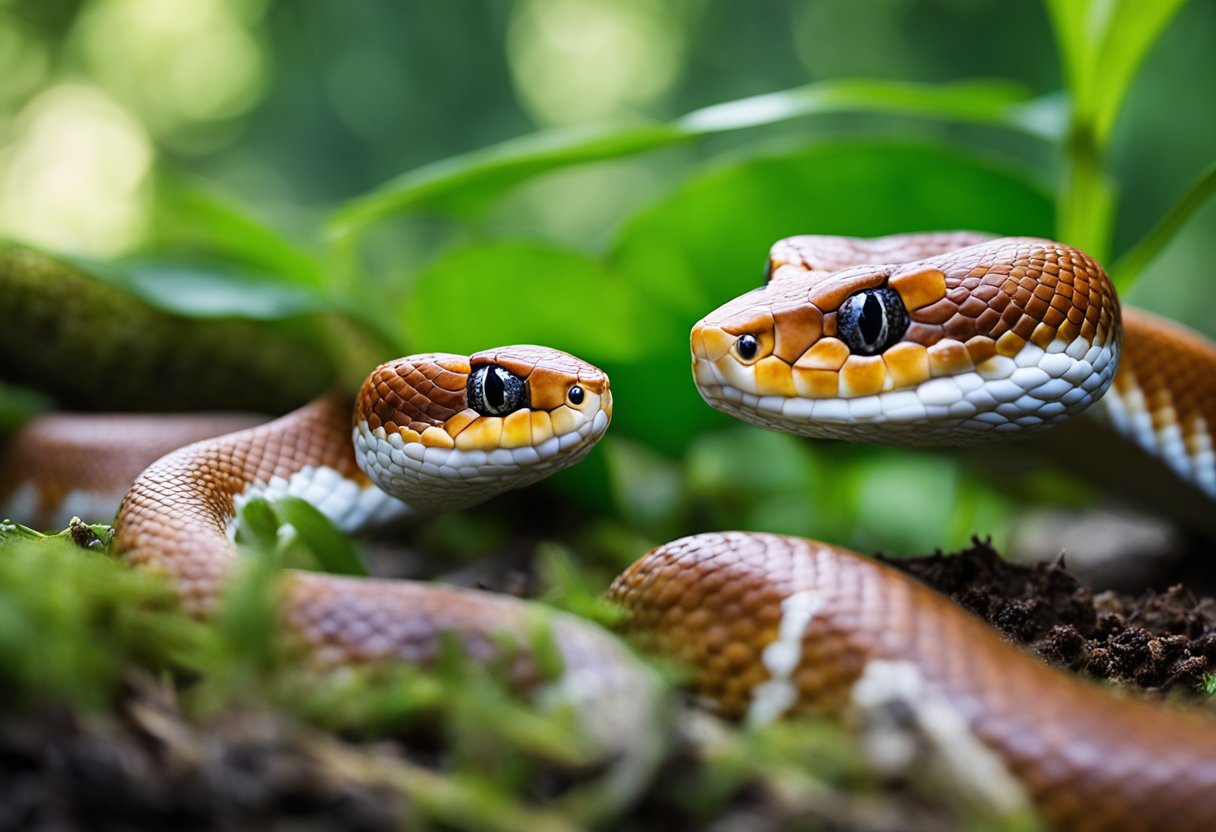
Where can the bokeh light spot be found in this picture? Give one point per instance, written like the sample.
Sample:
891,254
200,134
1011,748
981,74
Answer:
580,60
181,64
75,177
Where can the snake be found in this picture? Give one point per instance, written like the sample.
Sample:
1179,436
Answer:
923,339
935,339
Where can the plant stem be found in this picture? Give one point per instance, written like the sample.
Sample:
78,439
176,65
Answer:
1087,194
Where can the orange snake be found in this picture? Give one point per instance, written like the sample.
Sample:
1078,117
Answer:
958,339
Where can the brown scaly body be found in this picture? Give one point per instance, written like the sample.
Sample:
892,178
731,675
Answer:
1087,759
176,516
61,464
1164,398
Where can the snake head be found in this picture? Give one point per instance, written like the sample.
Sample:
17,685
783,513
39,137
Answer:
971,345
448,431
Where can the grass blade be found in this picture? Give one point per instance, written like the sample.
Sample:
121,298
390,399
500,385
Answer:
1127,268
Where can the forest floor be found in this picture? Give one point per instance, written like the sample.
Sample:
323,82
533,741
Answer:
144,753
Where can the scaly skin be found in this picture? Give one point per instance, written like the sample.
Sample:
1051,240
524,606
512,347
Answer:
65,465
1088,760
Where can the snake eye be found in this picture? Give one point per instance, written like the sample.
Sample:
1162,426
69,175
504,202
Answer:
493,391
575,395
872,320
747,345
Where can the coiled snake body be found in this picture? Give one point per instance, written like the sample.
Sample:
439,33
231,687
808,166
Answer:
954,339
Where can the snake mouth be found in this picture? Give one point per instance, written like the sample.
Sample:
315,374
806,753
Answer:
999,401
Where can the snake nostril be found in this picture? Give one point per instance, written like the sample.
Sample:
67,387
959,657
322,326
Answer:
748,346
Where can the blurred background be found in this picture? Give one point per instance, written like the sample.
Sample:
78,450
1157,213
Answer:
232,143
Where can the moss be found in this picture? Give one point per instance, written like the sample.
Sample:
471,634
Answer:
115,352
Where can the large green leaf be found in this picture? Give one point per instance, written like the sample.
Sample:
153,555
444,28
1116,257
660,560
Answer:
333,551
708,241
465,183
190,218
197,291
515,292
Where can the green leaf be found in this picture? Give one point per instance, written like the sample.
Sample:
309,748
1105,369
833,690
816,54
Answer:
521,292
332,549
983,101
189,218
466,183
258,526
17,406
198,291
709,240
1127,268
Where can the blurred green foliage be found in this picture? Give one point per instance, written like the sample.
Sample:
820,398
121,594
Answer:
598,176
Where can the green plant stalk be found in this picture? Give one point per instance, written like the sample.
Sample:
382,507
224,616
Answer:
1087,196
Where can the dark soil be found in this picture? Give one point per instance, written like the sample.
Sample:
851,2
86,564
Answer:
147,767
1160,641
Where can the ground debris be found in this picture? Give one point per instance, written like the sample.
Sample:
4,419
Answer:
145,766
1159,641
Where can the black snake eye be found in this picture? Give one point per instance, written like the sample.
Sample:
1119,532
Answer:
747,345
493,391
575,395
872,320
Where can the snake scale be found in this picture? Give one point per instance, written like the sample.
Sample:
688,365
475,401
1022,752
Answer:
923,339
